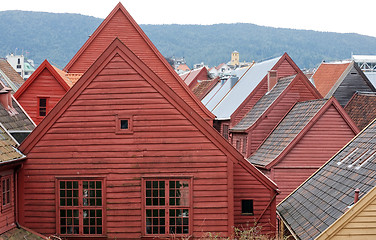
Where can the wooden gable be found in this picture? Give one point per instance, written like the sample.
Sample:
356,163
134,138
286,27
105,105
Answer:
120,24
164,138
46,82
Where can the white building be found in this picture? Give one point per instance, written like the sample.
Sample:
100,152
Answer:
22,65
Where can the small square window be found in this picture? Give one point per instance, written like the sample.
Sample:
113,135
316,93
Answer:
124,124
247,206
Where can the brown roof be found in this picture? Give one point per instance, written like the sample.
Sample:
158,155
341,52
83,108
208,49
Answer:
8,146
286,131
20,233
12,75
327,75
362,108
203,87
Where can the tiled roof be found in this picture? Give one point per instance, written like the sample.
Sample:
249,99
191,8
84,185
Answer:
263,104
8,146
286,131
183,67
73,77
328,193
327,75
225,98
11,79
64,76
203,87
362,108
16,122
20,233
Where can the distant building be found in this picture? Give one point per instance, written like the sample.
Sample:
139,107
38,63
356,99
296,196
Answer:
367,63
235,58
22,65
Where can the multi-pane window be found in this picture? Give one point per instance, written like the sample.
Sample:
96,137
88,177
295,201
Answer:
167,207
81,207
225,131
6,191
42,107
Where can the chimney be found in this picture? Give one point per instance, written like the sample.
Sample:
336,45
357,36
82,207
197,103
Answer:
356,196
272,79
6,98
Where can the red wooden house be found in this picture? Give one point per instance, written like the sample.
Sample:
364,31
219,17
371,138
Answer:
42,90
232,100
303,141
127,153
249,133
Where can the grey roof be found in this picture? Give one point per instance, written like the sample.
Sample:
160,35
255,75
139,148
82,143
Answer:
224,99
371,77
327,194
263,104
286,131
19,121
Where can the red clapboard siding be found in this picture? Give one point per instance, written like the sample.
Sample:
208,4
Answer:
45,85
119,24
7,217
165,142
327,136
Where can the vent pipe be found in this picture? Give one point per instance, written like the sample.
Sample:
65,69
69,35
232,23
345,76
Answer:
356,196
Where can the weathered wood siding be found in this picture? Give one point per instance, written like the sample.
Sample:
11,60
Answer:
328,135
7,216
353,82
243,181
45,85
164,143
120,25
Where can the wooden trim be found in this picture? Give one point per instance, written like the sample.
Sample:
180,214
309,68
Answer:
230,196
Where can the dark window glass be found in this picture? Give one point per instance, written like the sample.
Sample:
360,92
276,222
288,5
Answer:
124,124
247,206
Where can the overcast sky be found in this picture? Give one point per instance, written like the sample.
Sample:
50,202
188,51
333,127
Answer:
323,15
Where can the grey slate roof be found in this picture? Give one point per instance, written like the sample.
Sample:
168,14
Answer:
18,122
263,104
286,131
224,99
328,193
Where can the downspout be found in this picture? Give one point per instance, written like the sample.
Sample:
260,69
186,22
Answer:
267,206
15,181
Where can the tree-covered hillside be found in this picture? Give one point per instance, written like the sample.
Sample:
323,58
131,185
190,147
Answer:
58,37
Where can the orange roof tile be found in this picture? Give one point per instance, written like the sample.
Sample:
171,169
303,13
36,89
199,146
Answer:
183,67
327,75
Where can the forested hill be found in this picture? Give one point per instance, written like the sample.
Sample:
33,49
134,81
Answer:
58,37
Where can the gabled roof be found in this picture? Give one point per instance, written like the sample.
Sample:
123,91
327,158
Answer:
117,48
285,135
355,214
8,150
327,194
183,67
362,108
57,74
270,99
120,24
203,87
196,74
328,74
9,77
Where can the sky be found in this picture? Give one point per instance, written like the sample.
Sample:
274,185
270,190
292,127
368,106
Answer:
342,16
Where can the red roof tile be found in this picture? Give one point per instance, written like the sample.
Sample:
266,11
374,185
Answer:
362,108
327,75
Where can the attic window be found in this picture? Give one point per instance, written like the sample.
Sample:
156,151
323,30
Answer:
42,106
247,206
123,124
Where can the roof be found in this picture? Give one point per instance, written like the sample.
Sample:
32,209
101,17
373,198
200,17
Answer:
225,98
66,77
364,58
120,24
196,74
9,76
8,144
328,193
118,49
371,77
16,122
263,104
21,233
55,72
362,108
203,87
327,75
286,131
183,67
355,214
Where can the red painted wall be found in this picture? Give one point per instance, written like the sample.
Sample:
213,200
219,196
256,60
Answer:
45,85
163,143
328,135
7,216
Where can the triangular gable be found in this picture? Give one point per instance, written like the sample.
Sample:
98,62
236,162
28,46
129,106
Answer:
290,146
265,110
117,48
120,24
239,113
350,217
45,65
